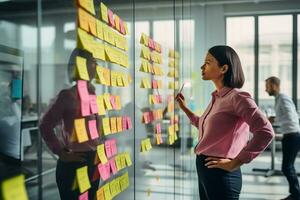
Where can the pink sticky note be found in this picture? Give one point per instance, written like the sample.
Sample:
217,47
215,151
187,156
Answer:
159,97
170,98
103,171
158,128
111,18
84,196
113,167
113,101
93,129
154,84
82,90
107,149
113,147
151,116
93,104
85,108
129,126
124,123
160,139
122,27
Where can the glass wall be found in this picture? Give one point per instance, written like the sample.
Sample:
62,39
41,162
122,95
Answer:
275,54
240,36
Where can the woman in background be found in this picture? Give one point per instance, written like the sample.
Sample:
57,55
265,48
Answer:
224,127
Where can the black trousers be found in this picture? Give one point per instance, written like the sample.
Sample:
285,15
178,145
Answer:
217,184
65,176
290,149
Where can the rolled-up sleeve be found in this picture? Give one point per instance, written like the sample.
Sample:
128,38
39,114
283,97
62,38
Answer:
262,130
50,120
194,120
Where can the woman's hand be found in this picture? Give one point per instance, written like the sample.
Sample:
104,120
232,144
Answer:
223,163
69,156
181,101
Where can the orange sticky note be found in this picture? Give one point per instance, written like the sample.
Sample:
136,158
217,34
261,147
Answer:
119,124
81,68
80,130
100,194
87,22
118,102
93,129
117,22
101,153
107,103
99,26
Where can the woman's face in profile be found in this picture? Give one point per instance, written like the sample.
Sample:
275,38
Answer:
210,68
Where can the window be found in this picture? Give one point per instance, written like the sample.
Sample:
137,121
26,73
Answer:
240,36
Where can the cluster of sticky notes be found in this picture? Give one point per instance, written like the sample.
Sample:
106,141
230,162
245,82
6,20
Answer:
152,115
107,101
173,72
113,20
82,179
145,83
146,145
116,124
151,56
80,133
155,99
113,188
101,51
109,77
172,133
14,188
173,85
156,57
173,54
147,67
173,63
147,41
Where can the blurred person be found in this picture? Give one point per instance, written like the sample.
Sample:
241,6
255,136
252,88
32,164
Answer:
287,119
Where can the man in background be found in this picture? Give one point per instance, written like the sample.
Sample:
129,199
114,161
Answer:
287,119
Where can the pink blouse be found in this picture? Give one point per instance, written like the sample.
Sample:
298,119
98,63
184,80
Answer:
224,127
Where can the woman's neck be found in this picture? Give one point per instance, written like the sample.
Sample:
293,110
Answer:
218,84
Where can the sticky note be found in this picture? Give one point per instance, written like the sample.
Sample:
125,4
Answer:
80,130
108,148
113,124
100,75
124,123
93,104
113,166
100,103
158,138
16,88
117,22
107,103
118,102
14,188
113,101
106,75
99,51
82,90
81,68
84,196
101,153
128,159
82,179
93,129
122,27
119,80
119,124
87,22
118,162
104,171
104,15
143,148
128,121
85,41
113,146
115,187
113,78
124,181
99,26
158,128
106,190
111,18
88,5
106,126
100,194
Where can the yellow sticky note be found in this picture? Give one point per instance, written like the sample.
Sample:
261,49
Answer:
148,144
88,5
128,159
82,179
106,75
107,103
80,130
119,124
14,188
100,78
117,22
81,68
107,193
99,26
124,181
143,148
113,124
101,153
118,102
125,80
99,51
106,126
144,39
104,15
100,103
118,162
85,41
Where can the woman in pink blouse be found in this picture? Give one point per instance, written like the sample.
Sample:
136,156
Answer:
224,127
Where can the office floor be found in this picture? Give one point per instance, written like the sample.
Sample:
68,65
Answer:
255,185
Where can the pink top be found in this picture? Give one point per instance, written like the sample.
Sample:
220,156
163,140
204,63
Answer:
224,127
62,113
